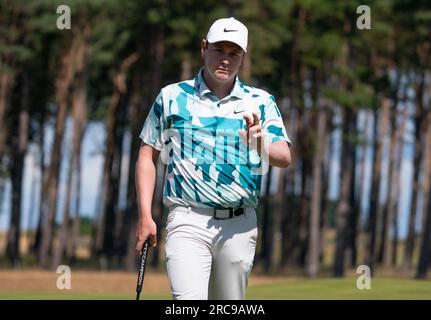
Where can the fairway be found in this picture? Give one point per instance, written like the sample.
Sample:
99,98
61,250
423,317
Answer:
303,289
340,289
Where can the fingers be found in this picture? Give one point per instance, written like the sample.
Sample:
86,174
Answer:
253,133
255,119
146,229
152,241
248,120
139,246
252,120
242,134
255,129
257,135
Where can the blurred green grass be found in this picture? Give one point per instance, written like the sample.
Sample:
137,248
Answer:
339,289
70,295
301,289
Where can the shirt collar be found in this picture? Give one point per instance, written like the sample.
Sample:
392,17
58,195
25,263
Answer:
202,88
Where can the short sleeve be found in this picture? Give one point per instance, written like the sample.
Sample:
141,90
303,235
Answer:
272,123
152,130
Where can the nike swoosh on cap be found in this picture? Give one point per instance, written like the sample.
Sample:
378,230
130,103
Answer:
225,30
238,111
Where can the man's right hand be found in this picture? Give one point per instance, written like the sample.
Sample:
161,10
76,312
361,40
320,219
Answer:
146,229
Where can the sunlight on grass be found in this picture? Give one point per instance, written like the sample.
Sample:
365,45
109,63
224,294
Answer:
77,296
384,288
342,289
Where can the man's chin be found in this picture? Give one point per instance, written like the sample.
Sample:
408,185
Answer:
222,76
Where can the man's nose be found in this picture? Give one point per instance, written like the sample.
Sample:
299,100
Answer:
224,59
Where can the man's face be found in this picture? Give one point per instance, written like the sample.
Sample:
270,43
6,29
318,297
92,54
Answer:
222,59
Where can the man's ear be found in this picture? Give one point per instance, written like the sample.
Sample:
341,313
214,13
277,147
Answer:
243,58
204,46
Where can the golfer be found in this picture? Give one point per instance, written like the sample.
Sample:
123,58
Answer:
215,135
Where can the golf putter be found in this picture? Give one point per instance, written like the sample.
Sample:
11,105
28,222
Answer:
142,269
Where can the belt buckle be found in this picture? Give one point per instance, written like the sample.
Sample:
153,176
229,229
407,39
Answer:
231,214
224,218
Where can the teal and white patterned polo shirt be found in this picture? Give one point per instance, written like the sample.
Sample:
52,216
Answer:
208,164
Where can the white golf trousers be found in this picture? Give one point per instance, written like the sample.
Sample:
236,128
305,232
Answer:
207,258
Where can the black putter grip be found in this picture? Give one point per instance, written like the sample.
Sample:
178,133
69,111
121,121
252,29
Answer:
142,269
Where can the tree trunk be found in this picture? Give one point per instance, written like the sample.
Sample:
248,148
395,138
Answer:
267,227
426,171
158,46
353,218
32,210
325,186
79,113
41,146
304,209
288,229
104,237
158,53
110,171
314,232
303,153
6,86
11,18
385,242
116,178
425,249
19,147
62,87
378,137
41,93
393,185
419,116
97,235
66,238
63,233
361,180
72,244
397,184
294,227
278,217
343,208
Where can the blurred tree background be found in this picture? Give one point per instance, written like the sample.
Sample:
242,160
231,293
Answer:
356,105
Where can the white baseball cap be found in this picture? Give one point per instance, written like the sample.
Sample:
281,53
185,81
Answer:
228,29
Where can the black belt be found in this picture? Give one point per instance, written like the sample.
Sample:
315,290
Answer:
232,212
